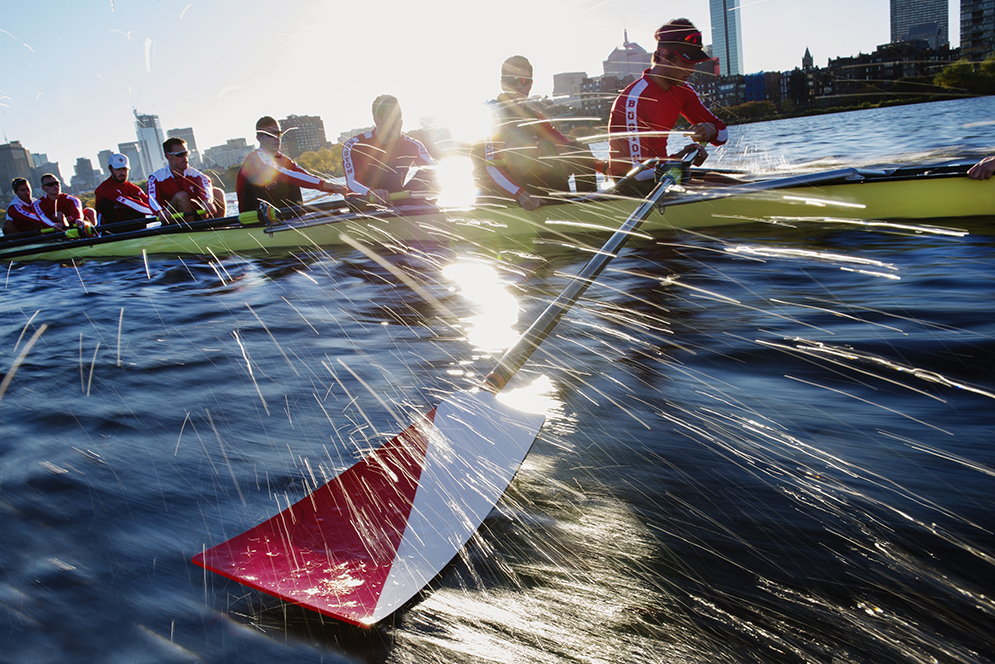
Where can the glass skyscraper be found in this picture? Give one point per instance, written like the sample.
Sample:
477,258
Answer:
977,28
906,15
150,140
727,36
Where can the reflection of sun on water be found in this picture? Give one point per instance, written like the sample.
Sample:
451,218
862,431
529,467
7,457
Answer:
537,397
491,329
496,310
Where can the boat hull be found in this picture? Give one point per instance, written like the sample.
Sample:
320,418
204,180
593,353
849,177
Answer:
907,199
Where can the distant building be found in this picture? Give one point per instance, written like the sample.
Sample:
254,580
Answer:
755,87
977,28
85,178
864,73
629,59
133,151
597,94
15,162
727,36
566,87
920,19
187,135
103,157
223,157
150,140
308,135
349,133
807,61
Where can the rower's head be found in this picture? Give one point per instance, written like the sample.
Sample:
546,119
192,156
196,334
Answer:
22,189
387,117
118,164
268,134
678,50
177,155
51,185
516,75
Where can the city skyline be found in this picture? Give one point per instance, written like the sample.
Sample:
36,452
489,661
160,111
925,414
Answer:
171,59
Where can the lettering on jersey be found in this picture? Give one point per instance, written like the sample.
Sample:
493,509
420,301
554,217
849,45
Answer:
631,121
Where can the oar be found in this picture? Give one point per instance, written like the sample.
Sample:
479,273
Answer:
360,546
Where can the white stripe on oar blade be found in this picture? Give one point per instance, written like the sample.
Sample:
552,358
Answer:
473,453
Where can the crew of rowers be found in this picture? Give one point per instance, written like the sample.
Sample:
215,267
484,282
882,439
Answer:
525,159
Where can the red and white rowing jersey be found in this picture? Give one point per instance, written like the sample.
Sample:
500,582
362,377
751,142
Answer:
70,206
276,179
643,114
369,164
120,201
520,128
23,217
164,184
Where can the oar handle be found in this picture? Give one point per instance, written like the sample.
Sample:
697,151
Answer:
668,174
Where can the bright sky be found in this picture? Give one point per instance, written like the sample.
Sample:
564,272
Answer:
72,71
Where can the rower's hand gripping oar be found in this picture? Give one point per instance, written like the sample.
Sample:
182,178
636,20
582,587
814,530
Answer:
363,544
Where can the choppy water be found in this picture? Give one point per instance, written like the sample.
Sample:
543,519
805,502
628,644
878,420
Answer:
769,444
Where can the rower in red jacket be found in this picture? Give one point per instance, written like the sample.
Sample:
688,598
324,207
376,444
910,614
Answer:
380,161
22,215
525,157
178,188
62,210
645,112
268,175
120,200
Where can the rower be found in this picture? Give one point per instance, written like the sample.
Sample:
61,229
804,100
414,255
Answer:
178,188
383,161
526,157
117,199
270,176
62,210
22,215
645,112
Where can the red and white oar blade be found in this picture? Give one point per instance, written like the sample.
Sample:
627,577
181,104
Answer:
366,542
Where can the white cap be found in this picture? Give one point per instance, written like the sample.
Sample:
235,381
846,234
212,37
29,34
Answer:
118,161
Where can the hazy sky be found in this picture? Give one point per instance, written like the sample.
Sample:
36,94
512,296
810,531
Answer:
72,71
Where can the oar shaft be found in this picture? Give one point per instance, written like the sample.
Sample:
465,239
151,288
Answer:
529,341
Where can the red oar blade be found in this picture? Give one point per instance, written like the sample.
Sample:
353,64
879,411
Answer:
366,542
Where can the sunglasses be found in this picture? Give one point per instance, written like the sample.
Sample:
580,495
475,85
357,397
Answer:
50,184
179,154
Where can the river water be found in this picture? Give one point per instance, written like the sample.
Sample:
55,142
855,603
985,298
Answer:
765,444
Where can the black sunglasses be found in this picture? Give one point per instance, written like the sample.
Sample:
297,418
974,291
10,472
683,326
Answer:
51,184
179,154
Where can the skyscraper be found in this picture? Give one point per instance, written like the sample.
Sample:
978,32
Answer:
727,36
15,162
103,157
921,19
150,140
133,152
977,28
